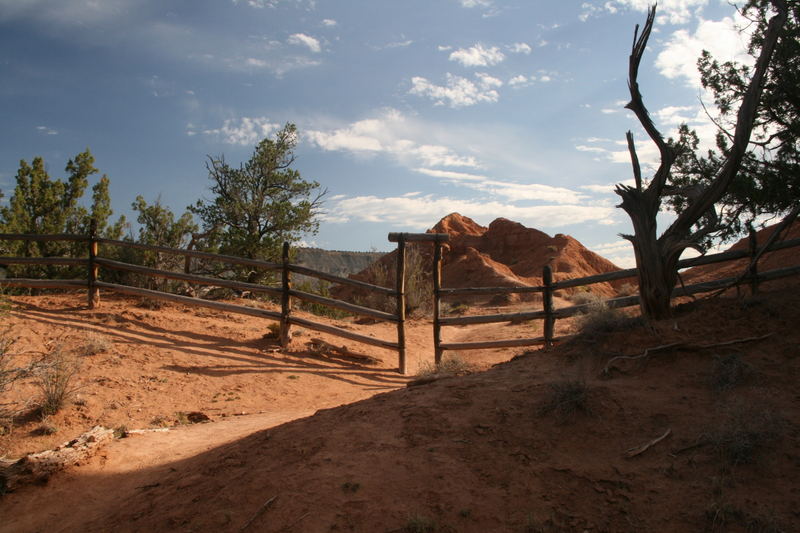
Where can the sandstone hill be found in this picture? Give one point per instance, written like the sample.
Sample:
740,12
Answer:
505,254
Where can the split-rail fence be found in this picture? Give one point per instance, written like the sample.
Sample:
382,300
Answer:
94,261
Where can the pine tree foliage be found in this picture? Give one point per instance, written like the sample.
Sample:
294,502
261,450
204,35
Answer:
768,182
262,203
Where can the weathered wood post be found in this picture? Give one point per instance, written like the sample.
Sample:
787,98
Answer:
752,271
93,293
286,301
547,303
437,287
400,289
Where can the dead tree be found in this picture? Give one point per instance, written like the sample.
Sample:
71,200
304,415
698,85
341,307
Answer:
657,257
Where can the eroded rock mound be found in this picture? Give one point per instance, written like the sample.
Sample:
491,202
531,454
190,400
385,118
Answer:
506,254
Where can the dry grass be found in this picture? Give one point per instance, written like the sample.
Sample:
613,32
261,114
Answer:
744,432
95,344
55,376
565,399
451,364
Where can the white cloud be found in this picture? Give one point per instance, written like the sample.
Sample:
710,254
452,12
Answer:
478,56
722,38
476,3
422,211
46,130
329,23
521,48
301,39
618,252
458,92
450,175
518,81
244,131
391,134
669,11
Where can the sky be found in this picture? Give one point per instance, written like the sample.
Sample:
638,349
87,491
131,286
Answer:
407,110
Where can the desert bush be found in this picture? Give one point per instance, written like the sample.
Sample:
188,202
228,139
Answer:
627,289
599,318
585,296
743,432
566,398
729,372
458,308
450,364
419,524
319,287
95,344
55,375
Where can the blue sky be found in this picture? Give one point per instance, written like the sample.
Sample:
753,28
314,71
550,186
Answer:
408,110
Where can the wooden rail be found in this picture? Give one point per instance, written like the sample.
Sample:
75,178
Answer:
549,314
285,292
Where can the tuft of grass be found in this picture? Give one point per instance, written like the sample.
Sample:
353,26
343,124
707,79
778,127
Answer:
95,344
458,308
452,364
150,303
725,516
743,433
121,432
565,399
599,319
55,375
419,524
627,289
729,372
348,486
274,330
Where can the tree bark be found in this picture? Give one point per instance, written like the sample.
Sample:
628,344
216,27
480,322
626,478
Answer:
657,257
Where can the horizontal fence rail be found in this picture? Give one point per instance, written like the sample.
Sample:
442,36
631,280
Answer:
285,292
548,314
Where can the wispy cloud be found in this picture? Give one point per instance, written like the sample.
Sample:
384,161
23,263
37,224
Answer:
392,135
478,56
520,48
46,130
669,11
422,211
301,39
329,23
244,131
458,91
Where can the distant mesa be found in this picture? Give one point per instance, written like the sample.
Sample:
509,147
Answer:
506,254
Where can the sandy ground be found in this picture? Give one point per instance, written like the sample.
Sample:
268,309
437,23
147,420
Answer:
497,450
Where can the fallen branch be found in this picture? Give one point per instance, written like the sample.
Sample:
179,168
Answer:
38,467
264,507
633,452
684,345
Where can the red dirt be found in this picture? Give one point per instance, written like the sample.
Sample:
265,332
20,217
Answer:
473,453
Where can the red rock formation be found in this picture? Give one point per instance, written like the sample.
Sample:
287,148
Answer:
506,254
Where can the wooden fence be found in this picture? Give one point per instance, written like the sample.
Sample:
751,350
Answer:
549,314
94,261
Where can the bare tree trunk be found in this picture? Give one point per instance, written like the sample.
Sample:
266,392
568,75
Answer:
657,257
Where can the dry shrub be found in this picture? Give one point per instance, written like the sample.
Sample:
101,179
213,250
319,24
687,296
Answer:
565,399
729,372
598,318
95,344
55,375
743,432
451,364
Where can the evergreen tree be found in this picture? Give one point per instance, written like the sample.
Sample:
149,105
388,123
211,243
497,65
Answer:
261,204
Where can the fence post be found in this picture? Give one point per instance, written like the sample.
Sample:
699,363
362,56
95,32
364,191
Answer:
547,303
437,287
93,293
286,301
752,271
401,304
